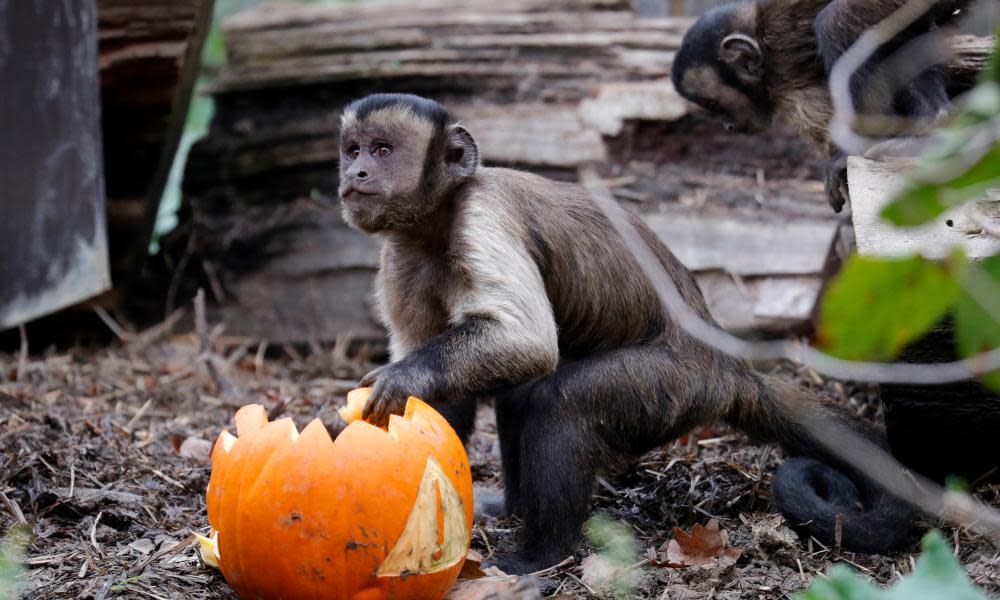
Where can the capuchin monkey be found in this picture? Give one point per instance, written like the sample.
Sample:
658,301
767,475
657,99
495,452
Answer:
754,62
498,283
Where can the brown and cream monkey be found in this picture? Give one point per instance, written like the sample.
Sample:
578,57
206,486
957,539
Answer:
757,61
499,283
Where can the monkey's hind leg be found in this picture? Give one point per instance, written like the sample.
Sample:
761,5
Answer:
588,417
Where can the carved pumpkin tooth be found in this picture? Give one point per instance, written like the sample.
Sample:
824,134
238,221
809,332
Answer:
228,441
250,418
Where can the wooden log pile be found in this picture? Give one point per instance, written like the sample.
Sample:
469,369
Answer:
548,85
145,88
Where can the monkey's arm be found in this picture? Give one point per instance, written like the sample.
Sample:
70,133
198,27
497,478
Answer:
502,328
842,22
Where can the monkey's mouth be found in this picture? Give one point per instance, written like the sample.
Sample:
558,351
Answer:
352,192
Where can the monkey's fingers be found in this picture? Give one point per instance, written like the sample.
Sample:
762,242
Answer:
369,379
381,405
836,184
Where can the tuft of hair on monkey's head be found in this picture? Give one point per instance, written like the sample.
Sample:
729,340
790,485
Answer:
401,158
720,67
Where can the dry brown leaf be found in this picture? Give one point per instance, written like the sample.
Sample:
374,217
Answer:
473,567
196,448
704,545
701,432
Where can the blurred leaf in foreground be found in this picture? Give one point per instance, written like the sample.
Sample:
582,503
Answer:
12,548
610,570
938,576
962,162
977,328
876,306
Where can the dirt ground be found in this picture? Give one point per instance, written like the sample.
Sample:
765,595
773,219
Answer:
104,453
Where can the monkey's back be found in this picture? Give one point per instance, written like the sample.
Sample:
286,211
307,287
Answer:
578,252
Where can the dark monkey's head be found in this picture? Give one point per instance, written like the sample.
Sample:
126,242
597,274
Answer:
400,157
720,67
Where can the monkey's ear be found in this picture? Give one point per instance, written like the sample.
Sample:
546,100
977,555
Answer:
743,53
462,154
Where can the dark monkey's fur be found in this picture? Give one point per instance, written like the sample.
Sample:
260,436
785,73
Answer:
501,283
757,61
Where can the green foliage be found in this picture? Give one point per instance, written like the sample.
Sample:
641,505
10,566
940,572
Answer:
977,328
12,547
616,544
938,575
877,306
963,160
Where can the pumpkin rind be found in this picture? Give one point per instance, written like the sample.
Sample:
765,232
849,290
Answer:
309,517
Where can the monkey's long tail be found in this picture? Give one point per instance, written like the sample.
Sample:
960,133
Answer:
818,493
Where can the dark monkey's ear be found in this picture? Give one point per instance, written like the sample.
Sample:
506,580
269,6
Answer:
462,155
743,53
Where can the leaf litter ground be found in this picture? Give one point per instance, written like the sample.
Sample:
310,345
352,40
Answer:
103,451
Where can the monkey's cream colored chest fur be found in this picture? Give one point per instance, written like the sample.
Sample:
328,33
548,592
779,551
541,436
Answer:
415,298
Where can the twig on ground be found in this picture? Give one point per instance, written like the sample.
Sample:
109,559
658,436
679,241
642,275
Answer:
22,357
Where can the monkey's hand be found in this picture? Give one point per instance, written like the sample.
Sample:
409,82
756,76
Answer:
392,384
836,183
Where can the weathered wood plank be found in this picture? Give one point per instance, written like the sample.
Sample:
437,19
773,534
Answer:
775,304
734,245
617,102
872,184
532,134
273,16
55,246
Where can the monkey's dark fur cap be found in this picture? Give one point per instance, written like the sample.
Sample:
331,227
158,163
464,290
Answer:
428,109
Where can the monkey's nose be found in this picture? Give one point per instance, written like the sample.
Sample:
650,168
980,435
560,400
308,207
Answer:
362,174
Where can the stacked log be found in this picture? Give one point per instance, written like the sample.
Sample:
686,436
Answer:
148,60
547,85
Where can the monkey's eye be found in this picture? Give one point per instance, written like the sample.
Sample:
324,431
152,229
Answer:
353,152
382,150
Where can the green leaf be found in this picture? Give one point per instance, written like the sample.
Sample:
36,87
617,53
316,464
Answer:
976,330
938,575
922,199
12,547
843,584
875,307
612,538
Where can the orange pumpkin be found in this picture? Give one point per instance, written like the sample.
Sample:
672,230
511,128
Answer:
374,514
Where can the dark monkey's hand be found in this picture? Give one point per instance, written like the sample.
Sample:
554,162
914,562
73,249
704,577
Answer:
836,183
392,384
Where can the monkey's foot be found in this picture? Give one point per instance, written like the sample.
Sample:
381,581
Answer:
489,502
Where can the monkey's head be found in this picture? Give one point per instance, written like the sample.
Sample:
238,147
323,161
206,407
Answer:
400,157
720,67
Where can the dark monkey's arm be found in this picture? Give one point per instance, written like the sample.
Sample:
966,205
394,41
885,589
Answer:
502,333
842,22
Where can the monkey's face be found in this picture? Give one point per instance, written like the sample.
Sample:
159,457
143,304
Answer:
399,161
720,67
706,87
381,170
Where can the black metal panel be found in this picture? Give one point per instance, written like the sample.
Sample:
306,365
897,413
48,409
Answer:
53,246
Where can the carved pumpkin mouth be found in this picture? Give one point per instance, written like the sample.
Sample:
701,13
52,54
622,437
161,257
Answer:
373,508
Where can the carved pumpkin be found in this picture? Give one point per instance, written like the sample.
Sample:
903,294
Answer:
374,514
